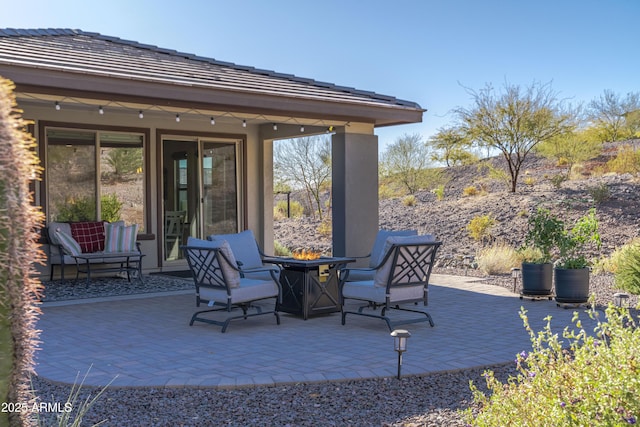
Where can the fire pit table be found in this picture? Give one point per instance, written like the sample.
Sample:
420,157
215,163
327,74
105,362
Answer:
309,287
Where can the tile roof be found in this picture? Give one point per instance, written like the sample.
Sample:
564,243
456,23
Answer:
83,52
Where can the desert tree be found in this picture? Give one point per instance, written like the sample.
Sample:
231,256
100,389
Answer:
514,121
614,114
304,163
451,146
407,161
19,287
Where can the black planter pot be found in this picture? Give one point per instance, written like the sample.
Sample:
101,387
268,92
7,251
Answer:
537,279
572,285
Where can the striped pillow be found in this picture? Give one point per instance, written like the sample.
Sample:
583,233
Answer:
119,238
69,244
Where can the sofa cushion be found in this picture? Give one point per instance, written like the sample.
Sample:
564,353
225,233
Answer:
120,238
69,244
89,234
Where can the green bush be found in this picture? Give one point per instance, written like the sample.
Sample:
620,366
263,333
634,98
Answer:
472,190
498,258
627,272
439,192
281,250
280,210
599,193
593,381
110,207
479,227
557,180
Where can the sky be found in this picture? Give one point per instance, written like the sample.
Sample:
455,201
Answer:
426,51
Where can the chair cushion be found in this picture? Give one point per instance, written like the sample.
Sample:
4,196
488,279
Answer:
377,252
69,244
367,291
231,274
382,274
120,238
248,290
89,234
244,247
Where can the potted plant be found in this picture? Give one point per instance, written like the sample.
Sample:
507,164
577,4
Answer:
543,232
572,268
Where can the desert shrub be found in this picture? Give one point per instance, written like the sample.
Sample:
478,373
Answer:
557,180
110,207
470,191
627,270
439,192
280,209
280,250
479,227
593,381
600,193
497,258
410,200
390,191
576,171
529,180
84,209
609,264
325,227
599,170
626,161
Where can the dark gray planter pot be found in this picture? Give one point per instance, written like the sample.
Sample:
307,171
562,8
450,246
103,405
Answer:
537,279
572,285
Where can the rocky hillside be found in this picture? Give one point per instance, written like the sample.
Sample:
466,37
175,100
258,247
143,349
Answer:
619,214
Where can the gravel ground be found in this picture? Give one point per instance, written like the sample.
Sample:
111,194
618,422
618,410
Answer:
428,400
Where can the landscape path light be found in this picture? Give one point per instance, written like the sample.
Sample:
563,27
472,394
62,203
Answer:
400,337
515,273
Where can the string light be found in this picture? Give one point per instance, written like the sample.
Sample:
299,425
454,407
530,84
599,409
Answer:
140,114
275,126
244,123
100,110
57,106
213,121
301,128
178,118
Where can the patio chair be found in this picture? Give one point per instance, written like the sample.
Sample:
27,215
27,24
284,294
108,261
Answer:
248,254
377,252
401,277
219,282
173,231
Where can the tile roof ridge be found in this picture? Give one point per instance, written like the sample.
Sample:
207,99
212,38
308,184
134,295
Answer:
42,32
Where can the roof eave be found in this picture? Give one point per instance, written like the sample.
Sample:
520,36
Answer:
64,83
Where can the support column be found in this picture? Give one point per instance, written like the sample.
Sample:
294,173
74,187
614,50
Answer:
355,193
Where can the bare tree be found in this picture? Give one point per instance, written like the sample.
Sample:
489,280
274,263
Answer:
304,163
514,121
612,113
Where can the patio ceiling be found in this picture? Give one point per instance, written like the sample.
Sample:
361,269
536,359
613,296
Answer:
86,68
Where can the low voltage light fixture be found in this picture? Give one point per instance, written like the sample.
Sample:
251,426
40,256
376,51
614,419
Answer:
400,337
515,273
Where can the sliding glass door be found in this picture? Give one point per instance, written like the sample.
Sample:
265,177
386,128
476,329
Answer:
200,191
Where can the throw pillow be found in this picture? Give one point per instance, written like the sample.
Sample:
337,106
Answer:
69,244
232,275
90,235
120,238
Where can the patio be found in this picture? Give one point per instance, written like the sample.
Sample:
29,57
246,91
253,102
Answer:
145,340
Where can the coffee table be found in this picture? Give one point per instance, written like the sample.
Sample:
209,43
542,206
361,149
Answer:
310,287
130,262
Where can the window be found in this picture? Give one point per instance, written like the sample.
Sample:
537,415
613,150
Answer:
94,175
